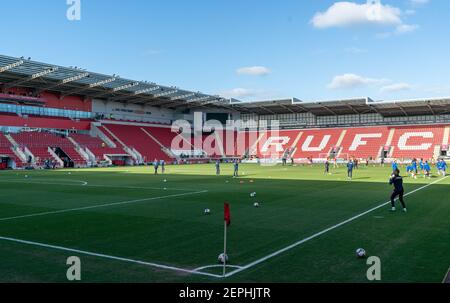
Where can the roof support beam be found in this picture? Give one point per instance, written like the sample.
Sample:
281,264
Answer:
165,93
285,107
32,77
66,81
268,110
90,86
11,66
330,110
403,110
431,109
353,109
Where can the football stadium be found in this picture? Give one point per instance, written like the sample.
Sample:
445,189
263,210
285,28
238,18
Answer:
111,179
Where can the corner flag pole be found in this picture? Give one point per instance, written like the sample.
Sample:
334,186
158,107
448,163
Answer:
227,222
225,248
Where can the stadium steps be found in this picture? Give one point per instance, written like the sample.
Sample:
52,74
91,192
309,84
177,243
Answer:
78,148
445,139
16,149
55,157
165,149
105,132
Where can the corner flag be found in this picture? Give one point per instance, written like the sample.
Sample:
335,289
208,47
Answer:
227,214
227,222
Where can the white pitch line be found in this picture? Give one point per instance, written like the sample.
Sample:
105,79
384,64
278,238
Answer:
215,266
85,184
88,253
100,206
279,252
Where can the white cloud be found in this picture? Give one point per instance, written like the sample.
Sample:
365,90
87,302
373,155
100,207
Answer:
406,28
396,87
419,2
399,30
342,14
348,81
346,14
253,71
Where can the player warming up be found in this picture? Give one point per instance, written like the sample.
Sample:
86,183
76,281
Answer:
350,166
397,181
327,167
236,169
218,168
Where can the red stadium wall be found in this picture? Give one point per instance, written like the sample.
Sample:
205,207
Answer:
67,102
52,100
41,122
363,142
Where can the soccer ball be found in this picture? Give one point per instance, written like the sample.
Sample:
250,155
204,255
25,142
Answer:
253,195
207,211
26,176
222,258
165,181
256,204
360,253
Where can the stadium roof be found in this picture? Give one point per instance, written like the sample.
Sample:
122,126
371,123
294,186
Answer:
432,106
21,72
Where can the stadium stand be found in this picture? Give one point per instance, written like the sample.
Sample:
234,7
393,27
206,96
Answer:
364,142
110,109
369,142
136,137
97,146
38,143
6,150
417,141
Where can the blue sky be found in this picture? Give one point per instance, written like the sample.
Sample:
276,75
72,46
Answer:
251,50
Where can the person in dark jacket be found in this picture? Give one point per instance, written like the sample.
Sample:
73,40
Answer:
397,181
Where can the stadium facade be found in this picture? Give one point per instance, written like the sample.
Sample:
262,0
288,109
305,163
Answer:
66,116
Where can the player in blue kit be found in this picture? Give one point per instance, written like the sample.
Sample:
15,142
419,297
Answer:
410,170
421,165
414,165
427,170
350,167
444,168
394,165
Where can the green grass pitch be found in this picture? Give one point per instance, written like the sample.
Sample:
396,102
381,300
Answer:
127,225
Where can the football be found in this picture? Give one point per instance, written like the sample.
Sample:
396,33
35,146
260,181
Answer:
207,211
222,258
256,204
360,253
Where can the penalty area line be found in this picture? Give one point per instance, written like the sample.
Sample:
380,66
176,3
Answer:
104,256
294,245
100,206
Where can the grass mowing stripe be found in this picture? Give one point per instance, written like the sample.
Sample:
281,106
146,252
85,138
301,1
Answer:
86,184
88,253
100,206
287,248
